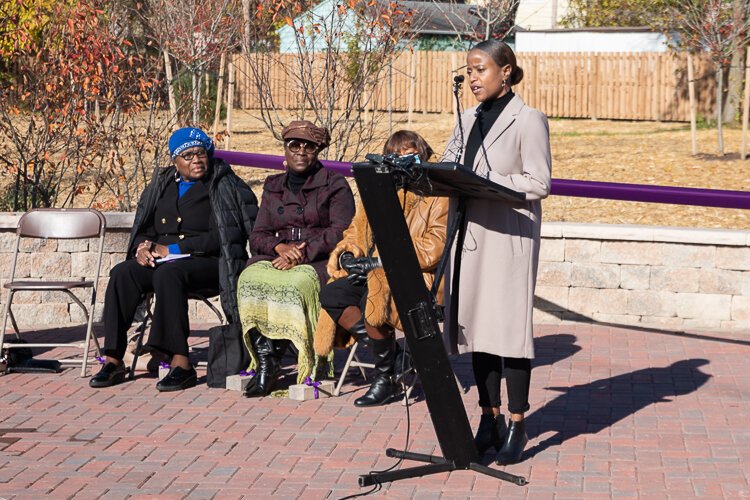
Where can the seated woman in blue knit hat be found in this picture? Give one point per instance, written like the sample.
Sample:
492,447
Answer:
196,206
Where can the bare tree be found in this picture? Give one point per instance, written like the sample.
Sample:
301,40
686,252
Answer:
486,18
720,27
195,32
336,64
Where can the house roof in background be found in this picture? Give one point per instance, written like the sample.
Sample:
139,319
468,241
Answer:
430,18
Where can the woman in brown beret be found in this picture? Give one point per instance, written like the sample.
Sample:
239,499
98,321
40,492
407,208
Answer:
303,214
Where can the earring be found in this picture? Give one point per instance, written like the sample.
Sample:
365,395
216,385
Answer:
176,176
284,163
505,81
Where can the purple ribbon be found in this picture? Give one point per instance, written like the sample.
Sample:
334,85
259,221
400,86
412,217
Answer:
164,364
245,373
314,385
101,360
560,187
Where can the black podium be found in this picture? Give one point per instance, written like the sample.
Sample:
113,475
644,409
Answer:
377,181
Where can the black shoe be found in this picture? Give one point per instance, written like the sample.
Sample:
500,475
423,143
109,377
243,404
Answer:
491,432
269,367
514,444
383,388
178,379
110,374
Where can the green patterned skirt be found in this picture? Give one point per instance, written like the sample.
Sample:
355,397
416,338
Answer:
281,305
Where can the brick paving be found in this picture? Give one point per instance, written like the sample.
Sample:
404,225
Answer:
616,412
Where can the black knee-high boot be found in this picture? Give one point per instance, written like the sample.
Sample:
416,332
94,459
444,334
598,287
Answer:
359,331
269,367
383,388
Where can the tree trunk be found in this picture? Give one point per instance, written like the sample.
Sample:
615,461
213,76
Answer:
736,69
719,99
693,108
196,97
745,106
487,24
219,90
246,24
734,86
170,89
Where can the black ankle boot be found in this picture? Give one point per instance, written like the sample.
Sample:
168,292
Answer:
514,444
490,433
359,332
383,388
269,368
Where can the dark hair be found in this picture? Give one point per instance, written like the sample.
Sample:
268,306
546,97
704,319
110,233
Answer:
404,139
502,55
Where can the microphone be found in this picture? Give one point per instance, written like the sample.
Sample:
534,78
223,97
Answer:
457,80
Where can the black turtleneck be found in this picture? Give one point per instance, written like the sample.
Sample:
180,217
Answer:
295,180
487,114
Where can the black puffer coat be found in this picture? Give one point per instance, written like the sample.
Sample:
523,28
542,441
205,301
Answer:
235,207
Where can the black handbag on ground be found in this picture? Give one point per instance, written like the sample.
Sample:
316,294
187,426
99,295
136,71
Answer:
227,354
21,360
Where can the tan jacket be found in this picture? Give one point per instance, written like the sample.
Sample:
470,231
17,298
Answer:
501,250
426,218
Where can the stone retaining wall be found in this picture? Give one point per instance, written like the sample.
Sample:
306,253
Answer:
670,278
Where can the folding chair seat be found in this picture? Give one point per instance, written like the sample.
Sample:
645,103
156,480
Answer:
148,298
58,224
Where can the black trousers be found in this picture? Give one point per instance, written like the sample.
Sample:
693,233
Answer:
340,294
488,372
171,282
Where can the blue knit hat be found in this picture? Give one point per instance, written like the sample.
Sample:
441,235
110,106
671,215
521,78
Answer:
189,137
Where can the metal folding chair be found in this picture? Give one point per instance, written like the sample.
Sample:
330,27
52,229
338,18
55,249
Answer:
140,332
63,224
352,361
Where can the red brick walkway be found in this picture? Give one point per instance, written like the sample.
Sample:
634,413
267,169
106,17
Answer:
616,412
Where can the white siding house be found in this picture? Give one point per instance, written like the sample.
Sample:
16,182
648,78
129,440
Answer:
591,40
540,14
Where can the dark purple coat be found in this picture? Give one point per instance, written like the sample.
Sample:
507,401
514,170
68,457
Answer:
318,214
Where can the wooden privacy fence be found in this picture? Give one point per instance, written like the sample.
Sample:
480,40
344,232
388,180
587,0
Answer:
622,86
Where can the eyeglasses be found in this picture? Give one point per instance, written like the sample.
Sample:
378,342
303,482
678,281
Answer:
294,146
189,155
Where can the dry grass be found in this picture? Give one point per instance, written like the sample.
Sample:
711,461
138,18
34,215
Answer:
631,152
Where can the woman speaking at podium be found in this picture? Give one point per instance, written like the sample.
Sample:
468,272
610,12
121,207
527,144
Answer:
490,292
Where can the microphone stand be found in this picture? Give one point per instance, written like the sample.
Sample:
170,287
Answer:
457,80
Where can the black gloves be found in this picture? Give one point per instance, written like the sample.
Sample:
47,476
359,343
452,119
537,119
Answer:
361,265
357,268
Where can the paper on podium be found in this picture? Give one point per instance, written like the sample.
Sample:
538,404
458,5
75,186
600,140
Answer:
172,256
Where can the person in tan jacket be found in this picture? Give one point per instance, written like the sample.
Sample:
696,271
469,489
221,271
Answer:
357,302
489,298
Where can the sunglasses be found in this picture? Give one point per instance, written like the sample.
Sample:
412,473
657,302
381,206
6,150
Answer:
188,156
295,145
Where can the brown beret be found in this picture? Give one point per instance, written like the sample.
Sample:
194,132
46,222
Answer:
307,131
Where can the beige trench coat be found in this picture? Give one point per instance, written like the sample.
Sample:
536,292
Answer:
501,249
